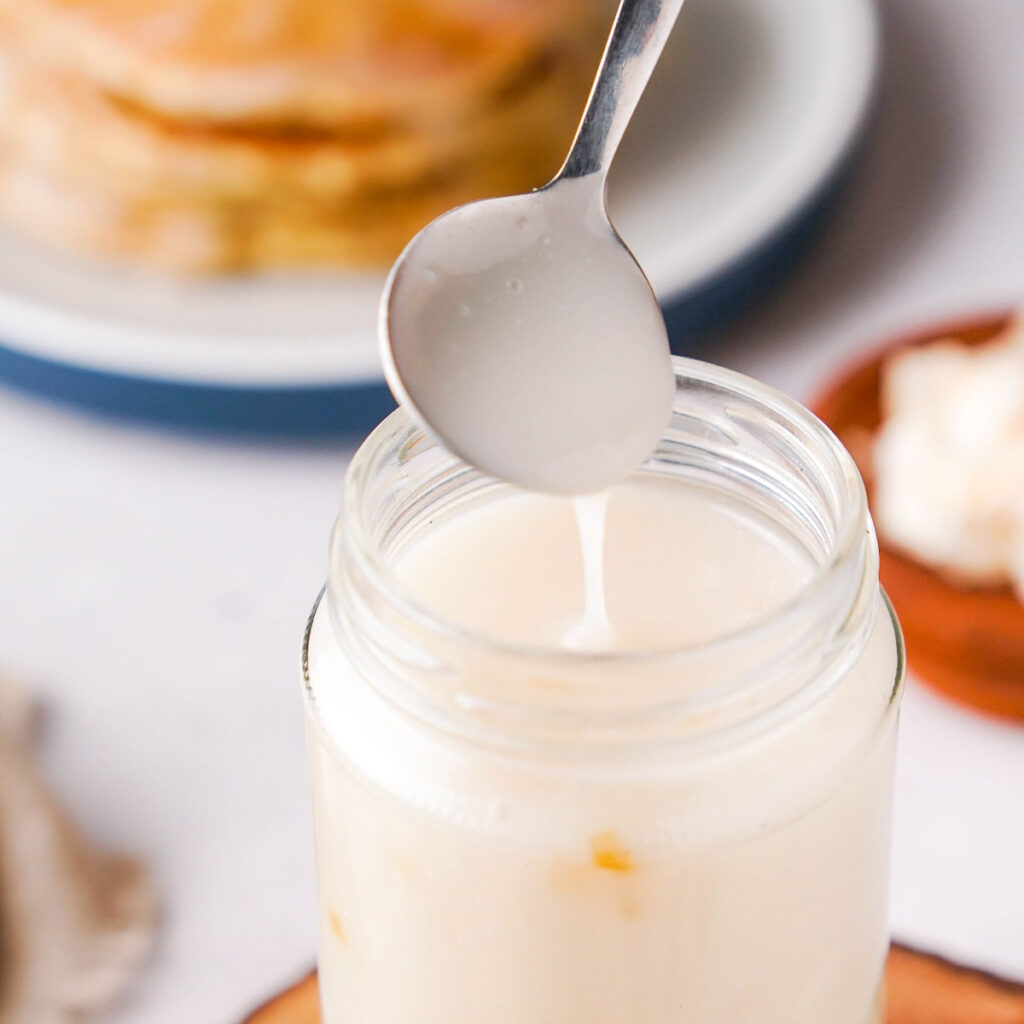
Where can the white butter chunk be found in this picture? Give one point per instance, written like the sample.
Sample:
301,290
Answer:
949,459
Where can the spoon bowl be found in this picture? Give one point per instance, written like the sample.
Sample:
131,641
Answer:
527,339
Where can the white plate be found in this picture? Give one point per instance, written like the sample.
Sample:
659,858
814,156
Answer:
753,107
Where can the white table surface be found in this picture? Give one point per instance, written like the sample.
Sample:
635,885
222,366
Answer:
153,589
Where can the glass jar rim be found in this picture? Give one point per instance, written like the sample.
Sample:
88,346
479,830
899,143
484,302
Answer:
850,499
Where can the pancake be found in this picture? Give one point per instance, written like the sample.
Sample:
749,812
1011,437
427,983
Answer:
369,64
237,236
306,175
180,204
69,130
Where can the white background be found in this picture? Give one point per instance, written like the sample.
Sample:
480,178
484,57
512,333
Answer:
153,588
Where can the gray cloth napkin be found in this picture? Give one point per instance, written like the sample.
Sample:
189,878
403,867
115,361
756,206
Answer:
75,923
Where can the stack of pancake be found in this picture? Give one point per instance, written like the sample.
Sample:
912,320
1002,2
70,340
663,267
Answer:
208,135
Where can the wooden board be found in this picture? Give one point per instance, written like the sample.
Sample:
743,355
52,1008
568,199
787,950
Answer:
922,989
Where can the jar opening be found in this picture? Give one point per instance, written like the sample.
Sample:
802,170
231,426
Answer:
727,432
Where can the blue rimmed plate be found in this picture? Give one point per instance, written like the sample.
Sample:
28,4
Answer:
747,122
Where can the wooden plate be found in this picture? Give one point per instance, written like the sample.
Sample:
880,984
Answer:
921,989
967,643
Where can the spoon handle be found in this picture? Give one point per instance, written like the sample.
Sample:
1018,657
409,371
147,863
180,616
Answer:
634,46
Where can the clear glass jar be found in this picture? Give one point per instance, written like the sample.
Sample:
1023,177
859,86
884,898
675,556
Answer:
697,835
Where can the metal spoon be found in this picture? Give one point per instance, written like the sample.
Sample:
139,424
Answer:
521,331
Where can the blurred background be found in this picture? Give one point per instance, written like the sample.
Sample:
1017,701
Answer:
198,201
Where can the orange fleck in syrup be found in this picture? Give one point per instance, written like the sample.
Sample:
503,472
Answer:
608,853
337,928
